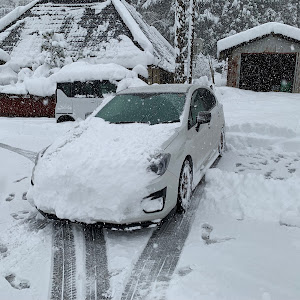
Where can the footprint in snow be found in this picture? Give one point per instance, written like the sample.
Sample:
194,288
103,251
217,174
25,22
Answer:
24,196
3,249
20,215
206,231
19,180
184,271
17,283
264,162
10,197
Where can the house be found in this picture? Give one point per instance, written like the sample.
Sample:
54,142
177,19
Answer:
103,32
264,58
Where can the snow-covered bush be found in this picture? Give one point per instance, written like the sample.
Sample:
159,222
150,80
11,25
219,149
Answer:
53,49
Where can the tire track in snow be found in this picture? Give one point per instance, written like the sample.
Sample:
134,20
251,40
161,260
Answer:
153,271
97,275
64,263
26,153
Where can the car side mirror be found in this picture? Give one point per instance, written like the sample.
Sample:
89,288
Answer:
203,117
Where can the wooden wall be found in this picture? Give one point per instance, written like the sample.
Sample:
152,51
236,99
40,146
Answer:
160,76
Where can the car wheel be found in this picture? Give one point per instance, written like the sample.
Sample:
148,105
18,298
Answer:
185,186
222,143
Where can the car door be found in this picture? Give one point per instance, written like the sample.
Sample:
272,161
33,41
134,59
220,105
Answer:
210,104
200,139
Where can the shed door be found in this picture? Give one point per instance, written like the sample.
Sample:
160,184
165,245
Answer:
267,72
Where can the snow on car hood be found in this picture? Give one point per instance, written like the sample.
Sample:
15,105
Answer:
98,171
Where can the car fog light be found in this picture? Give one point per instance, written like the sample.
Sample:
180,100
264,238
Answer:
150,205
155,202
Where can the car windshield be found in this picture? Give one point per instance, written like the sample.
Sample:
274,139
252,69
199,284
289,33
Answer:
155,108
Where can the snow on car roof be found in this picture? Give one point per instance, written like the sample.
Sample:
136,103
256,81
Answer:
257,32
159,88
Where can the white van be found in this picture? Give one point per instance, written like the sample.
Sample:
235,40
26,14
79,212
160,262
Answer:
77,100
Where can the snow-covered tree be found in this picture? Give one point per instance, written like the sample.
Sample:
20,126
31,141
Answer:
53,49
179,41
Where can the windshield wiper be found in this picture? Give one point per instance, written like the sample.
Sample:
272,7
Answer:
122,122
169,122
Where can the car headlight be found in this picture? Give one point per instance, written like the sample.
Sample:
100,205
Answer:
159,163
39,155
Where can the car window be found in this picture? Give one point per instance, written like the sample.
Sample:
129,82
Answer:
93,88
207,98
196,107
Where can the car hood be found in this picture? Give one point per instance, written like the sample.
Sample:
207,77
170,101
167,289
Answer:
98,171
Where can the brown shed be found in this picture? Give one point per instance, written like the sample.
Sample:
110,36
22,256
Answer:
265,58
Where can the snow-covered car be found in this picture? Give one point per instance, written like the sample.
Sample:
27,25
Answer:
136,161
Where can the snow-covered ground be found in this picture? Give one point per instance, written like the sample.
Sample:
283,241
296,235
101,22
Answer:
244,242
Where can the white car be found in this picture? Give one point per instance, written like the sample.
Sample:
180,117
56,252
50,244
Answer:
137,160
77,100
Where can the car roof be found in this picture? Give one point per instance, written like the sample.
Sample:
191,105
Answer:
159,88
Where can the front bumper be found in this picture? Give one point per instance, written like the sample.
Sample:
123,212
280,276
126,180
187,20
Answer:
167,184
112,226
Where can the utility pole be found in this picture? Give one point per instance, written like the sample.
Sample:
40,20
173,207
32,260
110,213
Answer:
179,41
191,42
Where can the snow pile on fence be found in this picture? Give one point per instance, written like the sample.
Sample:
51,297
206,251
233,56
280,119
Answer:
109,181
256,32
39,82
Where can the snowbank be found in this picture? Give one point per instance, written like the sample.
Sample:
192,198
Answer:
251,196
15,14
109,181
4,56
256,32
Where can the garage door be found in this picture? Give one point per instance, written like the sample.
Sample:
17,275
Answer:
267,72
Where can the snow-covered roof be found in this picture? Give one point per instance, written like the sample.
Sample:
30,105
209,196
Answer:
15,14
112,31
258,32
4,56
164,53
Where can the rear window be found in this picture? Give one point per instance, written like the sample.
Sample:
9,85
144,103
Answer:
87,89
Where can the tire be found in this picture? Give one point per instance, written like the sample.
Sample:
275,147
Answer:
222,143
65,118
185,186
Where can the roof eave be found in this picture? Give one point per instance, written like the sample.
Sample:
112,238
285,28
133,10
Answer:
226,52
